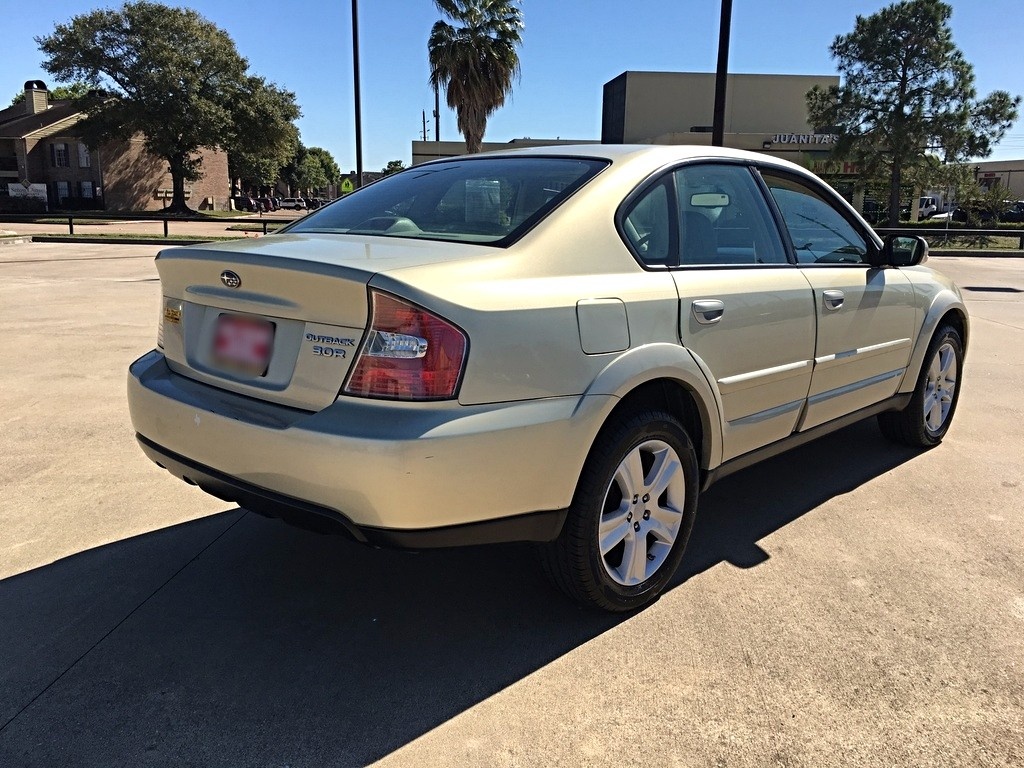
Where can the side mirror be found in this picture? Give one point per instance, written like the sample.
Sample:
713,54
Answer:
904,251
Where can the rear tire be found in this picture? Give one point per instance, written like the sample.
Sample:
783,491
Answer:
631,516
925,420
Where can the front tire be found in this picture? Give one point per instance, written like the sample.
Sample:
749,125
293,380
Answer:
926,419
631,516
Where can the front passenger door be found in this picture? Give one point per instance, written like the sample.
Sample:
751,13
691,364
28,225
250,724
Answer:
865,315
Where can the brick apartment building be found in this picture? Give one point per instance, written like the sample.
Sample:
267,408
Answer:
41,156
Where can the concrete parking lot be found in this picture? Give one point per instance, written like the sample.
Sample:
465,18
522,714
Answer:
850,603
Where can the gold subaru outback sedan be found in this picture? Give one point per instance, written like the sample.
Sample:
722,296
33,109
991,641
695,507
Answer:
556,345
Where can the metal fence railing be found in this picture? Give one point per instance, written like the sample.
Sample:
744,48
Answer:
937,235
71,218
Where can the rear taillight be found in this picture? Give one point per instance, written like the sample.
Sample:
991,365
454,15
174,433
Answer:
408,354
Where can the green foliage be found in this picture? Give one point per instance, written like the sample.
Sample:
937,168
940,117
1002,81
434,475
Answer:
312,168
393,166
907,94
330,168
263,136
475,60
166,73
60,93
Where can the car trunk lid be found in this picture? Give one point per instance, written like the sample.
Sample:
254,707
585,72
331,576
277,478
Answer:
281,318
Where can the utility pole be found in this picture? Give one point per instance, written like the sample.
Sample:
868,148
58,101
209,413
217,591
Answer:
437,115
718,125
424,124
355,76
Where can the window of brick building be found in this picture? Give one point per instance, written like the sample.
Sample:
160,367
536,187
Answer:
84,161
86,189
59,156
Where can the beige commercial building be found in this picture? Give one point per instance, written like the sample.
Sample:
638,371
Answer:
1008,174
764,113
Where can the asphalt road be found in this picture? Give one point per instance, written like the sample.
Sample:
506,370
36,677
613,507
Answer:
850,603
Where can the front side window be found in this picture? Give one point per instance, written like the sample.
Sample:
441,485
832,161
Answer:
820,233
63,190
84,161
490,200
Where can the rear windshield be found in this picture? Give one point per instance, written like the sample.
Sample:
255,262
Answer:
489,200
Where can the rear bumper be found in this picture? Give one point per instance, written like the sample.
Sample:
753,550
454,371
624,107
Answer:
537,526
415,475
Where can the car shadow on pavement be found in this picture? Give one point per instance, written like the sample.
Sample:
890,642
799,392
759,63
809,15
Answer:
740,510
236,640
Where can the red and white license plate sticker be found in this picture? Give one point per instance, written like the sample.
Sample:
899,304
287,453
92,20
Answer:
243,344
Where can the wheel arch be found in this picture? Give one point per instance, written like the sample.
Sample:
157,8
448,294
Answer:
665,376
945,309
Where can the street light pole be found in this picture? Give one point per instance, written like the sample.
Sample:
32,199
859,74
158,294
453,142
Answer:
355,75
718,125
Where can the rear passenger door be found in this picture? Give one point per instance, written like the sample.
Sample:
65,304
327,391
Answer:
865,315
745,313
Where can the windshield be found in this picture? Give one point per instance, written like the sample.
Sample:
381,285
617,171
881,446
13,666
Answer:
489,200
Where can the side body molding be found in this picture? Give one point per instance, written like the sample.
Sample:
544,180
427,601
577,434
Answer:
672,362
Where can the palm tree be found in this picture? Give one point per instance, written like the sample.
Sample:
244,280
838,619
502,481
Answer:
475,60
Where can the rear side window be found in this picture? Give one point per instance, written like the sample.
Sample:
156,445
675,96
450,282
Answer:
706,214
648,227
724,219
490,200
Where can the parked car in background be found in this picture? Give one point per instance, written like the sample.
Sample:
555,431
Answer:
562,345
245,203
294,203
927,207
978,213
1014,213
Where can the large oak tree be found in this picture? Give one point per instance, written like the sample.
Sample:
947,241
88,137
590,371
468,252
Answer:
168,74
907,91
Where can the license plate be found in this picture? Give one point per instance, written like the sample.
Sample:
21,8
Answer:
243,344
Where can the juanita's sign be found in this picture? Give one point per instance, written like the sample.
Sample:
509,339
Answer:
804,138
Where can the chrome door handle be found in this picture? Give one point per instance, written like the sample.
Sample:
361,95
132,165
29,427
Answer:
833,299
708,311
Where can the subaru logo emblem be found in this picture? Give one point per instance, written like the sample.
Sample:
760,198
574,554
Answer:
230,279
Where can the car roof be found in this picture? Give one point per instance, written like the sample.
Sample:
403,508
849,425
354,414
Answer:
654,154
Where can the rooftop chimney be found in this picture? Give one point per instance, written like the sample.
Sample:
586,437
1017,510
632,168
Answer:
37,98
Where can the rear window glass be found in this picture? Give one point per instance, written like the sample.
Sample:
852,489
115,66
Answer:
489,200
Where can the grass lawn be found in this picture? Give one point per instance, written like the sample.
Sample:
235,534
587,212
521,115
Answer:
973,243
64,220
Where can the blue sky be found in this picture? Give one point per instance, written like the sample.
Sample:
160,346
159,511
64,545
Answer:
571,48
